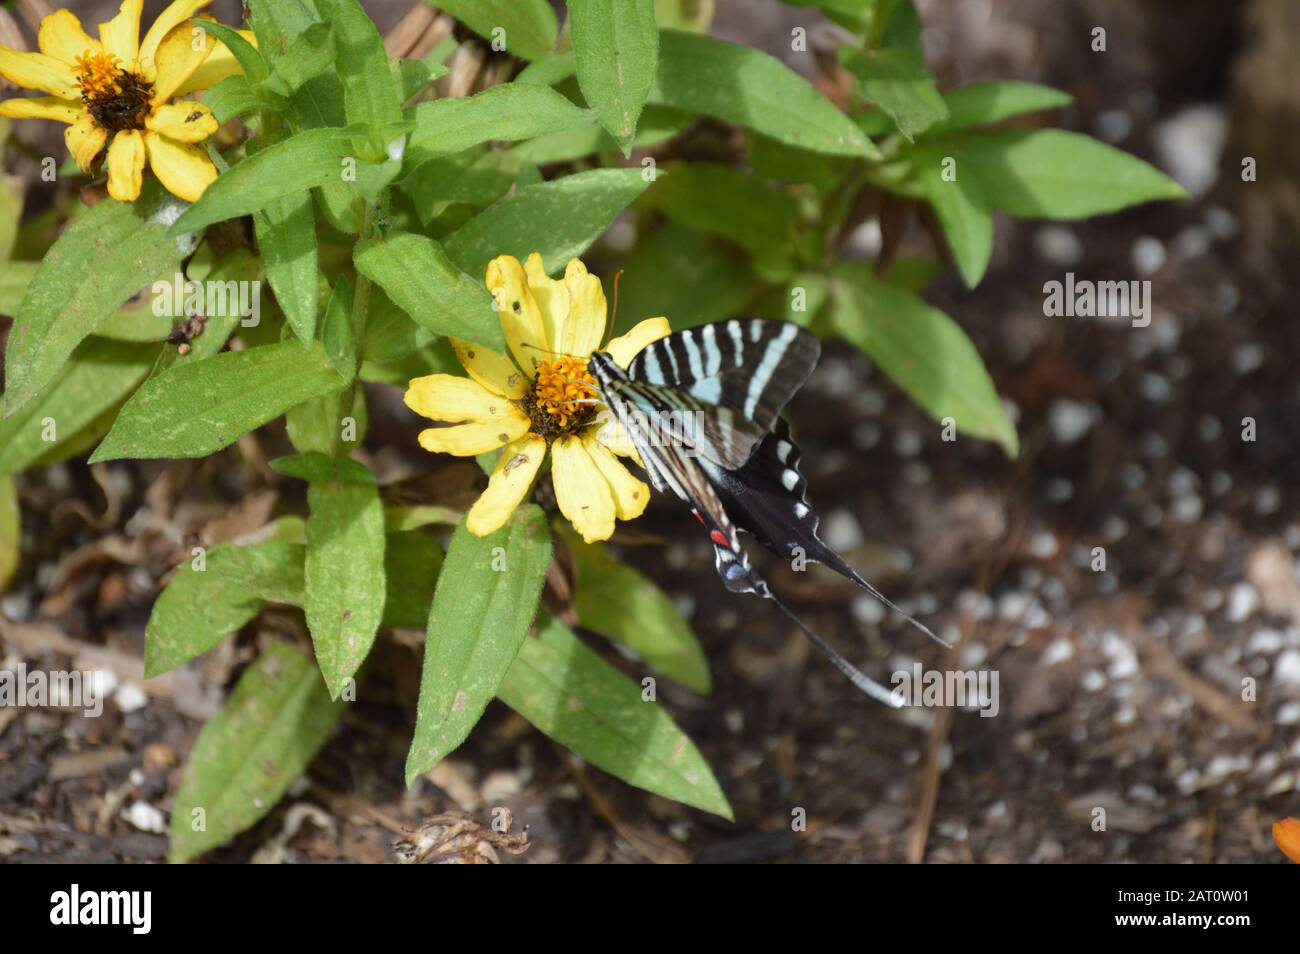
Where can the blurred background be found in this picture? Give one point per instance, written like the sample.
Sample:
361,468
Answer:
1120,689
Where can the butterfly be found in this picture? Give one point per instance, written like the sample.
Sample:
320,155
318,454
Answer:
702,407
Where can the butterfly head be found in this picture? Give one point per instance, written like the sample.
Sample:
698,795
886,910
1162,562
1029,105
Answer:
602,368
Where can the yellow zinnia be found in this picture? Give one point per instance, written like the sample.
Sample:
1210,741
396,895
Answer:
117,92
529,404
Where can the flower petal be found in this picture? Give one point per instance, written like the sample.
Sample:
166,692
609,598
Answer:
176,58
581,489
219,64
43,107
171,18
581,333
507,486
39,71
552,299
85,140
184,169
491,369
62,37
121,35
521,319
469,440
445,397
611,432
626,347
630,495
186,121
126,165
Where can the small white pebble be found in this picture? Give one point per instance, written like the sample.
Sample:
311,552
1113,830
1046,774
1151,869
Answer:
1070,420
1093,680
1148,255
145,817
130,697
1243,601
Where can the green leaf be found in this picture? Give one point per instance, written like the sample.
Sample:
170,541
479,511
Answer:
982,104
345,571
196,408
560,219
316,425
96,380
249,58
251,751
701,74
415,75
15,278
585,704
692,15
615,50
616,601
421,279
309,55
486,596
1053,174
657,124
551,70
721,199
213,595
231,98
683,275
527,27
11,213
277,23
11,531
475,176
398,519
412,562
370,94
897,81
509,112
962,212
286,236
810,290
311,158
924,351
125,246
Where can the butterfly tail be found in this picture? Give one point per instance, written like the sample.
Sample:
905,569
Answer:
828,557
860,679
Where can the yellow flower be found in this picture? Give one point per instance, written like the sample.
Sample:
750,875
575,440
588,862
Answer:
127,94
528,404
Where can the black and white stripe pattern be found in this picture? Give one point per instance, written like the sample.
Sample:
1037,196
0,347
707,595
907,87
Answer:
751,366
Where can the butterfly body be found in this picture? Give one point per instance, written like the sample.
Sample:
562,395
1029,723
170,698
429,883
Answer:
702,408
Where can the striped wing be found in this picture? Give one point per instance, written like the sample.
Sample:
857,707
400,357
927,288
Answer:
750,367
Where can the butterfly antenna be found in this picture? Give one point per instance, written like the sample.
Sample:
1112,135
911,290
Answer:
860,679
613,321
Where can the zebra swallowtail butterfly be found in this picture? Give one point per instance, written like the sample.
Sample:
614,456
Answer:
702,408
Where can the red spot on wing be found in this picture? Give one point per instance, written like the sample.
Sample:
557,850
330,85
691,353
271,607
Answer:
720,538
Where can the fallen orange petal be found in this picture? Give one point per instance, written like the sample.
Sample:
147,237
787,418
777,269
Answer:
1287,835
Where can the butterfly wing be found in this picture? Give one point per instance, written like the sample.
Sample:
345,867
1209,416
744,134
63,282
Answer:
737,375
767,498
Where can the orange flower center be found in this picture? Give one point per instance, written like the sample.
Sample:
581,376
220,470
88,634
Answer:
553,403
117,98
